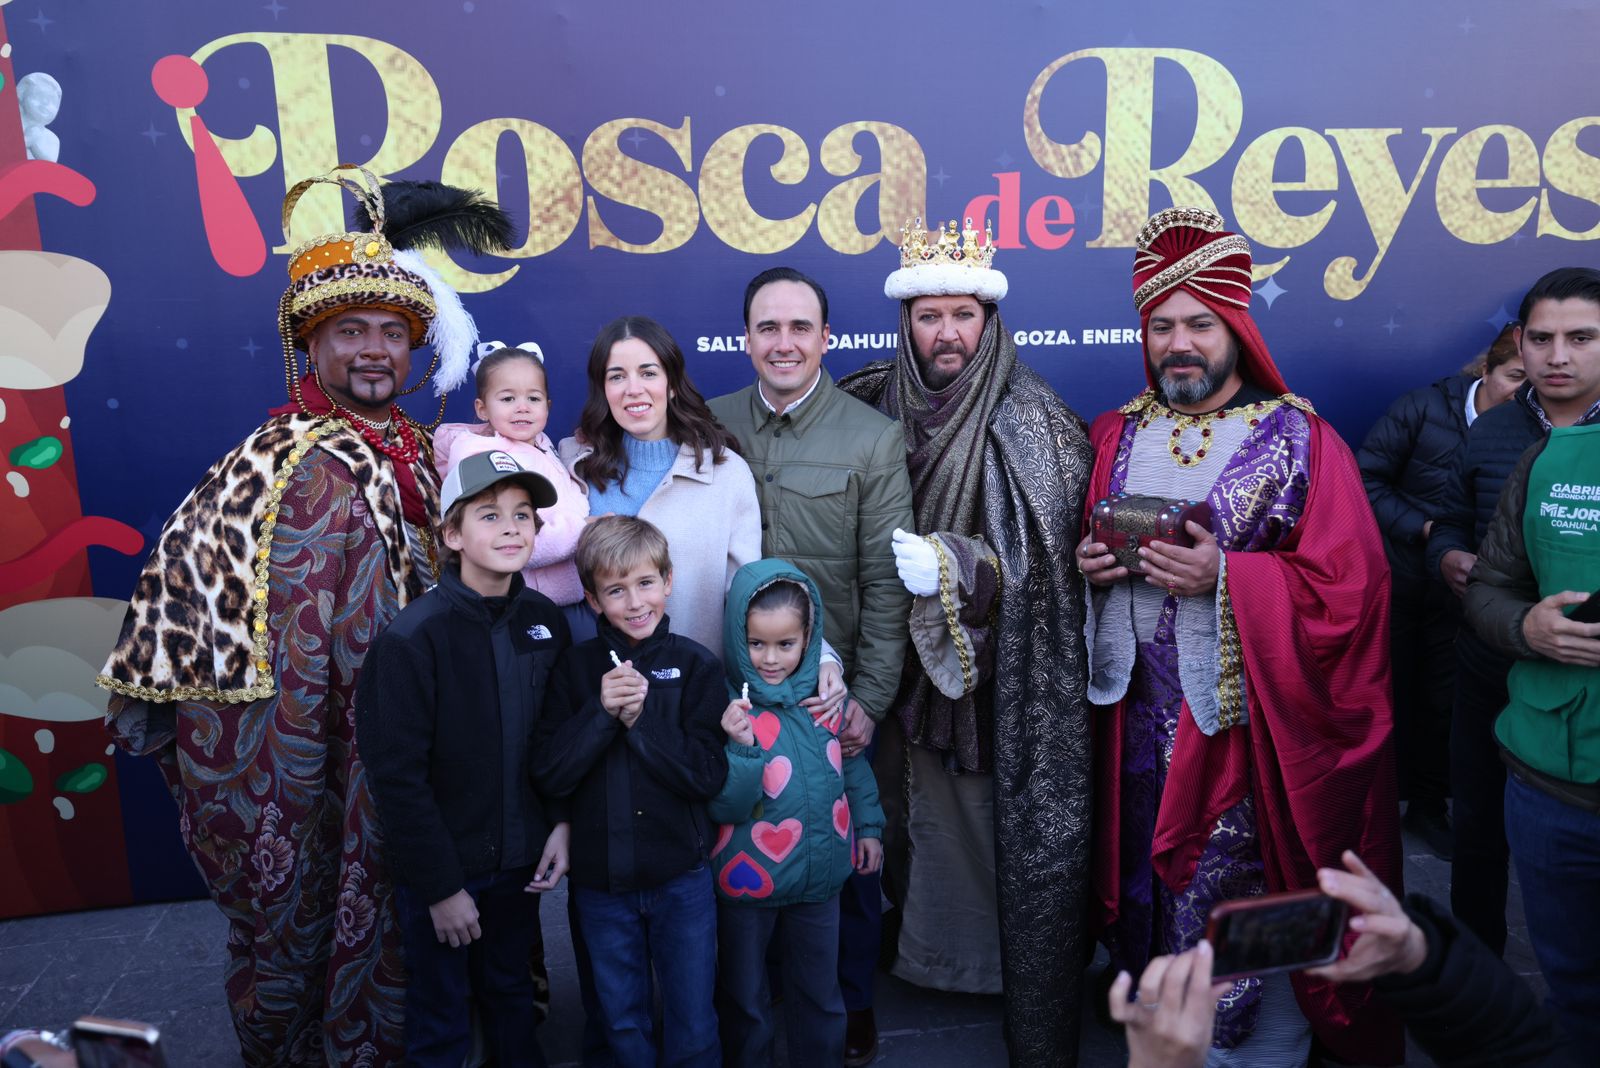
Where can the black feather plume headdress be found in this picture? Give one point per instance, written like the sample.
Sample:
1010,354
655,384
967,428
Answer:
426,214
377,262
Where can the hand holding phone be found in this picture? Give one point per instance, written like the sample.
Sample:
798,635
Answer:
1588,611
1275,933
1387,941
1169,1024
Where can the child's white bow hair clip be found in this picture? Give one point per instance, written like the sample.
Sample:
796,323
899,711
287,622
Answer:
530,347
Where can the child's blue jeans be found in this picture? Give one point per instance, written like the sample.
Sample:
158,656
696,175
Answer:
672,928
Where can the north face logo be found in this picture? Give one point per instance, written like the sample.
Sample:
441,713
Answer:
663,674
539,632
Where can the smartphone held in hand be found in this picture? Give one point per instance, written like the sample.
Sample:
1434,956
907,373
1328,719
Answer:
1588,611
1275,933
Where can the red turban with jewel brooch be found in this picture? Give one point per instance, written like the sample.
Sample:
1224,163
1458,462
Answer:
1187,248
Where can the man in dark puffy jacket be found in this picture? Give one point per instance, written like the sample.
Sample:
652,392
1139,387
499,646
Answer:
1477,777
1407,463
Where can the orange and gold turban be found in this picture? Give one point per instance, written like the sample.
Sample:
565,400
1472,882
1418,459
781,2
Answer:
1187,248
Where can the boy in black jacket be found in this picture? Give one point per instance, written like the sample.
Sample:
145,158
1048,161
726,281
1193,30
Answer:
632,733
445,713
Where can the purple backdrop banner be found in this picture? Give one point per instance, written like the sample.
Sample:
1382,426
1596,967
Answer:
1403,172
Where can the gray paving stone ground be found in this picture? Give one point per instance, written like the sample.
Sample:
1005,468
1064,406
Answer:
163,964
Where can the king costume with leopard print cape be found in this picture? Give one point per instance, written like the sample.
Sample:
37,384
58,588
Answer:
237,664
197,625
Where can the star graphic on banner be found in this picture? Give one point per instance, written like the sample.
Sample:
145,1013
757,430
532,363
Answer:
1518,238
1270,292
276,9
1466,25
153,133
41,20
941,177
1499,317
1391,326
250,347
635,137
1004,159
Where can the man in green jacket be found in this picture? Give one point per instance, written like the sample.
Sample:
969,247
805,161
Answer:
1539,559
831,473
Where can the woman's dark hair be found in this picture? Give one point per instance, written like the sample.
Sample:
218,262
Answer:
782,593
1500,351
689,419
504,355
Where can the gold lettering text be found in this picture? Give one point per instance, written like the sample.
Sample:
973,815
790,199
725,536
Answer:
902,181
1569,170
619,177
1383,195
726,202
1455,192
1130,104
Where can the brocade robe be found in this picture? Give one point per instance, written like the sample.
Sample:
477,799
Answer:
1245,740
1009,630
236,671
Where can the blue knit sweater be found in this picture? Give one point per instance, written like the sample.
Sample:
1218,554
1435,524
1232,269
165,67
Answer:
648,462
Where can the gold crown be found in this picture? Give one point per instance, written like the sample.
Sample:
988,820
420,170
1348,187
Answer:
958,248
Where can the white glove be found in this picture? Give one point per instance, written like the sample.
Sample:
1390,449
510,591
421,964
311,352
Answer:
917,563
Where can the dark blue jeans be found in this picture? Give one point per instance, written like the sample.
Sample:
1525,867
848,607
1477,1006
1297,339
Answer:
1556,847
493,970
813,1007
672,928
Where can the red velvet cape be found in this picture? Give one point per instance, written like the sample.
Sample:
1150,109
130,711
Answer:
1313,620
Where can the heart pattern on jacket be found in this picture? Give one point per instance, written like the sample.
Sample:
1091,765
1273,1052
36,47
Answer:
767,728
835,756
776,775
777,841
743,877
841,817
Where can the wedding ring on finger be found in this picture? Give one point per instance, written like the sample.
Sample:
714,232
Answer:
1150,1006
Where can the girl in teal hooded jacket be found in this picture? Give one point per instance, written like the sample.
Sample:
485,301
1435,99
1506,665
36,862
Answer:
796,818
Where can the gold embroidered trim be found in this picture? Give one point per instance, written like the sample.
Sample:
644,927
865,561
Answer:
1148,399
358,241
182,693
1139,403
950,612
345,287
1230,679
261,639
1164,220
1197,260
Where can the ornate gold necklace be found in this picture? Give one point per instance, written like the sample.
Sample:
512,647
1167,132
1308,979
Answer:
1183,422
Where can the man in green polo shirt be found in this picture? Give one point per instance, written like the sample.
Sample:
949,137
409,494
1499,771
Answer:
1540,559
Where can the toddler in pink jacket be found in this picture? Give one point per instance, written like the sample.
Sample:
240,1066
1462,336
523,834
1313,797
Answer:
514,401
